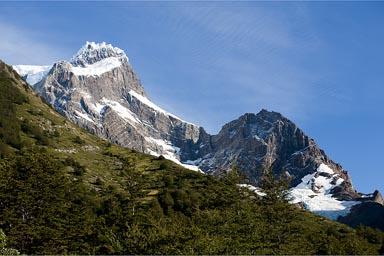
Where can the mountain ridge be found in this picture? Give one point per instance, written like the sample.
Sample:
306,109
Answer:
92,52
110,102
65,191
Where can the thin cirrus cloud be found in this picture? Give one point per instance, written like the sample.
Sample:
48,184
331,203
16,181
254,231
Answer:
256,24
236,51
253,54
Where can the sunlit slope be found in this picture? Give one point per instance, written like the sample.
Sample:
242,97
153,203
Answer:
64,191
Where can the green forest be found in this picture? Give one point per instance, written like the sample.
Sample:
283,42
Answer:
64,191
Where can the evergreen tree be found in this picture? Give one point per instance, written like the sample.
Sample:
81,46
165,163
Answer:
275,187
3,244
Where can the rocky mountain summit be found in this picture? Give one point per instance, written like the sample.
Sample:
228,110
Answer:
99,90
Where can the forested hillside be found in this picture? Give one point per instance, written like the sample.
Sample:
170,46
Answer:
64,191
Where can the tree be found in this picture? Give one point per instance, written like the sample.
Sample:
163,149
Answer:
278,213
3,244
275,187
42,209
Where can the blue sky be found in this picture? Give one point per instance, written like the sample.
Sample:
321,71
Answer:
320,64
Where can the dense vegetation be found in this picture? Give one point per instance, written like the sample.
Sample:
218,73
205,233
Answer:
64,191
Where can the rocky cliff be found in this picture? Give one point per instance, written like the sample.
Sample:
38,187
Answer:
265,140
99,90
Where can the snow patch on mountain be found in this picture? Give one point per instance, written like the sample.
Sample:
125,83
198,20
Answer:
169,152
100,108
122,111
193,162
232,134
253,188
98,68
167,147
91,51
84,116
260,132
33,74
153,106
315,193
323,168
102,88
191,167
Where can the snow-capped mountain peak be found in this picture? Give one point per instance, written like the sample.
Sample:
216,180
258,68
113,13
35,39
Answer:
92,52
32,74
93,59
99,90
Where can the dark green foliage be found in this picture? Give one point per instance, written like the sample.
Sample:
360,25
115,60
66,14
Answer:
78,140
163,166
4,150
56,133
42,209
78,169
45,211
3,246
374,236
232,176
99,181
9,124
275,187
169,180
118,201
36,132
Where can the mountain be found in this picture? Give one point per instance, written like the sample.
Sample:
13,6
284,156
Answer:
65,191
370,213
99,90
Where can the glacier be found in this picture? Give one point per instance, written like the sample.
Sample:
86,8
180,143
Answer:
33,74
98,86
315,193
97,68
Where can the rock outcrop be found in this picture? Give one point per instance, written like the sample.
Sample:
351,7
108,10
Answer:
369,214
267,140
99,90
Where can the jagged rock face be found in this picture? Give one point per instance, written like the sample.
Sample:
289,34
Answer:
369,214
267,140
91,53
99,90
378,198
67,80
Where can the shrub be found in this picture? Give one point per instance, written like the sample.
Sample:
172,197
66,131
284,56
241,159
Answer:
78,140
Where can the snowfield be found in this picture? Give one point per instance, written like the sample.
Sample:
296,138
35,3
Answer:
314,193
170,153
321,201
97,68
34,74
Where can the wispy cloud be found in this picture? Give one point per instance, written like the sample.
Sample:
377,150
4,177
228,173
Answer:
252,54
237,24
21,46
